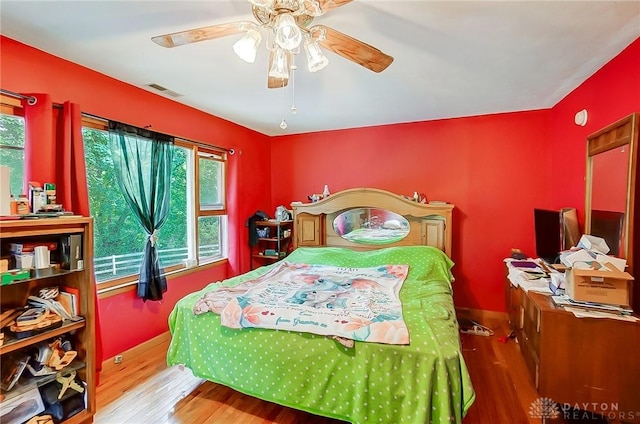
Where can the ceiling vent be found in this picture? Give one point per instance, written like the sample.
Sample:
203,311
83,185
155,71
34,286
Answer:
164,90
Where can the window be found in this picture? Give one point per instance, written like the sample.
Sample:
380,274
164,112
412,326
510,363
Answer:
210,167
212,208
12,142
191,235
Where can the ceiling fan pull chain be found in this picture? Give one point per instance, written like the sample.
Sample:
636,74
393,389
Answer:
294,110
283,123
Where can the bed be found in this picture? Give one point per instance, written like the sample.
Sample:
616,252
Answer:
420,380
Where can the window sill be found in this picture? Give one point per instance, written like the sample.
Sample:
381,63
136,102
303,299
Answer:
127,284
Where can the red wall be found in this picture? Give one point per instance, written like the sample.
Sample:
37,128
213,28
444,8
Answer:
27,70
127,321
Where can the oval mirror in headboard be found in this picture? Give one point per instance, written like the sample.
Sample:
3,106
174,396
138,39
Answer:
428,224
371,226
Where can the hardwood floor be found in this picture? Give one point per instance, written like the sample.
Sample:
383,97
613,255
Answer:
143,390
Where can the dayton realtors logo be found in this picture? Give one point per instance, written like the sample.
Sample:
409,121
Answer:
545,408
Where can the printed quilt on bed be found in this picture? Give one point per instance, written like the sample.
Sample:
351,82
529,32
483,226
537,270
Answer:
355,303
425,381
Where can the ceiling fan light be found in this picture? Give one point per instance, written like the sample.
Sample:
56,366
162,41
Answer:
247,47
316,59
288,35
279,64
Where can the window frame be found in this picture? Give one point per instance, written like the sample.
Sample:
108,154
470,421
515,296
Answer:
211,155
12,106
125,283
205,153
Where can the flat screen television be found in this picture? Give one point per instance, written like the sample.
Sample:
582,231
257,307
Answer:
548,234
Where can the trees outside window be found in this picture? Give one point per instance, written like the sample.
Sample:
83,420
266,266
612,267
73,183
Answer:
186,236
12,150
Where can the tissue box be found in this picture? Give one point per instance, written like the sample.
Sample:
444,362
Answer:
24,261
611,287
15,275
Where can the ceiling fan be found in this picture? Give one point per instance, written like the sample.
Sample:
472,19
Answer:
287,25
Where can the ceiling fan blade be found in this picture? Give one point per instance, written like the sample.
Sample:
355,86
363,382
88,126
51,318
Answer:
201,34
320,7
350,48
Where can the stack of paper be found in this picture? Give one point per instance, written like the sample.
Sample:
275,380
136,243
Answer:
591,253
527,274
587,313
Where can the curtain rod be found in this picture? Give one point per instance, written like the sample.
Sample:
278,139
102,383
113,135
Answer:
197,143
30,99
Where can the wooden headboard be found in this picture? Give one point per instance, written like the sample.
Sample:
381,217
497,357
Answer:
429,224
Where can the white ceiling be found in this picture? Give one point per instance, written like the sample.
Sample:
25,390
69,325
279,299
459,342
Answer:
452,58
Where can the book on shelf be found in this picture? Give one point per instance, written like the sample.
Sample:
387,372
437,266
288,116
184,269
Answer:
50,304
73,294
68,302
29,247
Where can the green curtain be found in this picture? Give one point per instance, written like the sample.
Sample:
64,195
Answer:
142,162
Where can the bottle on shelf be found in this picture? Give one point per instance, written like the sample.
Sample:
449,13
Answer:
13,205
325,192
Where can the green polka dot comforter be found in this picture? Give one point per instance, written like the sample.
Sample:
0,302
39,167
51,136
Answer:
424,382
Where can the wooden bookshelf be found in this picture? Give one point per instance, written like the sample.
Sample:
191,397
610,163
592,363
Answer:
80,332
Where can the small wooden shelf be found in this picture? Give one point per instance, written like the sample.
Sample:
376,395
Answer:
276,241
11,344
35,278
273,238
29,383
273,223
257,255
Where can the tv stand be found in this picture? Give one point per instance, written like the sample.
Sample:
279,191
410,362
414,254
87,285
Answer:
588,363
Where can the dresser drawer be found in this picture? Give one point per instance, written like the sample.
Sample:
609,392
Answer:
531,324
514,306
531,359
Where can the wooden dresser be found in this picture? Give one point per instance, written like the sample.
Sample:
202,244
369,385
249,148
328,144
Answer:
591,364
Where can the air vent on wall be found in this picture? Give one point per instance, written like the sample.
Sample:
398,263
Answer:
164,90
